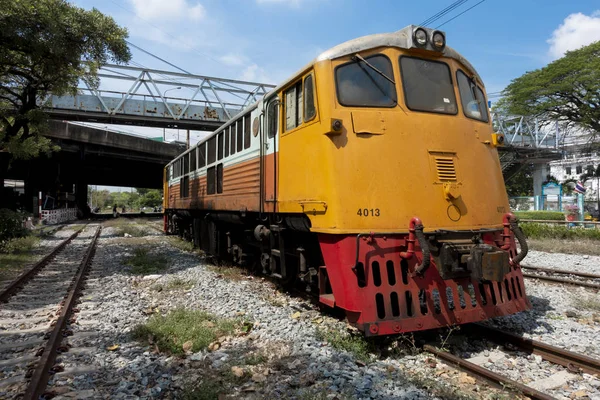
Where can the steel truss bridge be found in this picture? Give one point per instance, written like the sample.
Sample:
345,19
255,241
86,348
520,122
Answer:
527,141
196,102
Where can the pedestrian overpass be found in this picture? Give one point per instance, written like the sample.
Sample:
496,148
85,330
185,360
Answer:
156,98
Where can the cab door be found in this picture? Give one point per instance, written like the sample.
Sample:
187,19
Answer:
270,139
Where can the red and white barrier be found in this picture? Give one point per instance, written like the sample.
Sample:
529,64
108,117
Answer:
51,217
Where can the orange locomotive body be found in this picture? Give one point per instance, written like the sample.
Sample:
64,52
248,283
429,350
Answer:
372,175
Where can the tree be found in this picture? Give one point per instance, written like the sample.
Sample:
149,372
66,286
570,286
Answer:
152,198
48,46
521,184
566,90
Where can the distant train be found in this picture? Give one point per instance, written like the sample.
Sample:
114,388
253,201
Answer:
372,175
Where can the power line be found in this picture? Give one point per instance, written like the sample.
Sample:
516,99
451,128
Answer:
158,58
456,16
445,11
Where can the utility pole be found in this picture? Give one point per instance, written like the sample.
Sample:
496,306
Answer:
188,139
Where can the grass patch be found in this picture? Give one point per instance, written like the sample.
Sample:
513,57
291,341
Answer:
181,244
355,344
586,303
15,254
12,264
171,331
178,283
545,231
19,245
544,215
229,272
205,390
143,262
255,359
581,246
124,226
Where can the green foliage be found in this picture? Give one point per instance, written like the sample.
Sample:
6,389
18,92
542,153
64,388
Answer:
566,90
521,184
151,198
207,389
48,46
19,245
130,200
171,331
542,215
11,224
143,262
547,231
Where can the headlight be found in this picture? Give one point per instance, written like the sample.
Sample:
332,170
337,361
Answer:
420,37
438,40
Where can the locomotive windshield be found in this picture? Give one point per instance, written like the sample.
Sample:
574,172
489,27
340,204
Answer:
472,98
366,84
427,85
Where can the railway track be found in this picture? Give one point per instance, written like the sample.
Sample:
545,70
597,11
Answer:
36,311
574,362
558,276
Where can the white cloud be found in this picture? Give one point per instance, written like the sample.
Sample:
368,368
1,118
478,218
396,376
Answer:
234,60
577,30
173,9
254,73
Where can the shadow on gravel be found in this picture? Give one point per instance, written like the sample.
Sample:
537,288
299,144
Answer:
529,321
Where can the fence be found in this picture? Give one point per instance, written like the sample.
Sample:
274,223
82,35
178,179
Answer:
50,217
550,203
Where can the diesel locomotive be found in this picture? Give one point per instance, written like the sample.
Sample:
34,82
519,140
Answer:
370,177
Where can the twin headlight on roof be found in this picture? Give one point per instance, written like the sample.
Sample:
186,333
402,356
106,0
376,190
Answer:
428,39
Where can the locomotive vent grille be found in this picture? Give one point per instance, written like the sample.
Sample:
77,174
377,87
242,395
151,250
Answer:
446,171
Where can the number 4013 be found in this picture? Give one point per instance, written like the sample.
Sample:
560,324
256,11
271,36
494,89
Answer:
368,212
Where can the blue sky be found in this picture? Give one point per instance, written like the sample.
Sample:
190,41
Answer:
268,40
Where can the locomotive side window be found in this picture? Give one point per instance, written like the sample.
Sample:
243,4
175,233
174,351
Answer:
471,98
240,136
212,150
186,163
201,155
220,146
232,135
247,131
193,159
184,186
363,84
226,142
427,85
273,117
293,106
220,178
210,181
309,99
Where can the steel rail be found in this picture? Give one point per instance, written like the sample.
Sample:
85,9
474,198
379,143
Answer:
563,271
16,285
571,360
40,376
562,280
486,374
